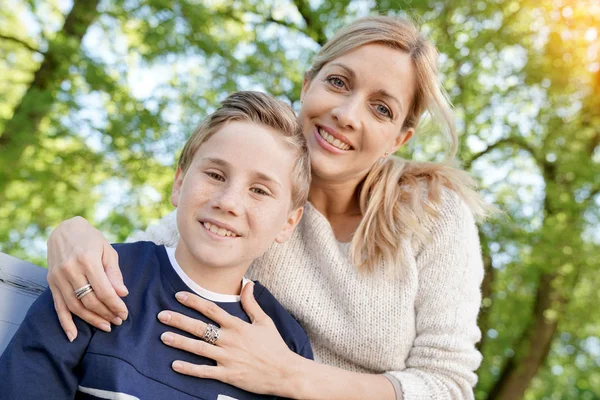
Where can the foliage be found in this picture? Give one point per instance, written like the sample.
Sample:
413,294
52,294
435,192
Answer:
97,99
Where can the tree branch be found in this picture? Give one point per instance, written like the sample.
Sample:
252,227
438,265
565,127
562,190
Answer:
509,141
21,42
313,28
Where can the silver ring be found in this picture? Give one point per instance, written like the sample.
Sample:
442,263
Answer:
82,291
211,334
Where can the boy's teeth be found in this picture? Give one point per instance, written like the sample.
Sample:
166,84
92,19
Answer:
333,141
219,231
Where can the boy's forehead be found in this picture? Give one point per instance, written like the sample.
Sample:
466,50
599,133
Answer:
258,148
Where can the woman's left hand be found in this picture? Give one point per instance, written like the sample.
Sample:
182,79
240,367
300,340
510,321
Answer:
251,356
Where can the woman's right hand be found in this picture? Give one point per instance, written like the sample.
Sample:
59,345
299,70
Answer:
79,254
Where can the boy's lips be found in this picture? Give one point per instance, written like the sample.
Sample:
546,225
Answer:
218,228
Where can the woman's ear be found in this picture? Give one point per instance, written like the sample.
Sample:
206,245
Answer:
402,138
176,187
290,225
305,85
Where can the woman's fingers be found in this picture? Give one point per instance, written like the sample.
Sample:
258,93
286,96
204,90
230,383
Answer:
78,254
255,313
104,292
183,322
207,308
91,302
194,346
200,371
76,306
64,315
110,260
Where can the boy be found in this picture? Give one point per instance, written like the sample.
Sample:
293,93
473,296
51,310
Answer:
240,184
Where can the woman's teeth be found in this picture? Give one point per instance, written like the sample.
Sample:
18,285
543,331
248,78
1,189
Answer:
219,231
333,141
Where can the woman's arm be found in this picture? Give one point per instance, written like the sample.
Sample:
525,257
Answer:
255,358
443,359
79,254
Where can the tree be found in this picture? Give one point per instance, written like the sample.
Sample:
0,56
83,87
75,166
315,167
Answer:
98,136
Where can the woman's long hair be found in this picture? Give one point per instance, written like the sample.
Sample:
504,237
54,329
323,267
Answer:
397,196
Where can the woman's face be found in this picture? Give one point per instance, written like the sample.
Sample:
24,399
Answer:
353,111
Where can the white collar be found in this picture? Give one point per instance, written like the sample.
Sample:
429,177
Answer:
199,290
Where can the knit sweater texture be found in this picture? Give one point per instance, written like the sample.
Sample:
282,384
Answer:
418,325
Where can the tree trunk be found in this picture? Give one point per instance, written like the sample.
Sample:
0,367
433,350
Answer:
535,341
22,129
486,291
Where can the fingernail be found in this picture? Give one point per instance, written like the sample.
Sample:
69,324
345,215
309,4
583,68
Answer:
124,289
122,315
71,336
164,316
177,365
166,337
181,296
105,327
117,321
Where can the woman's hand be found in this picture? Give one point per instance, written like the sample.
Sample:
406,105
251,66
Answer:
250,356
79,254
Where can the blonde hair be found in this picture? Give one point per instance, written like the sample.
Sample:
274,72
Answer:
261,109
397,196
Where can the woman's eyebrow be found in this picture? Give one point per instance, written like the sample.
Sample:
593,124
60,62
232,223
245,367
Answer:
349,71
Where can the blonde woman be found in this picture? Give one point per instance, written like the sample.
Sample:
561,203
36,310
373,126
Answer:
384,269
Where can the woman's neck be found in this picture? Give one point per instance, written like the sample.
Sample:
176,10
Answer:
338,202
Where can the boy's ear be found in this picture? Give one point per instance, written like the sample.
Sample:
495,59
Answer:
176,187
290,224
402,138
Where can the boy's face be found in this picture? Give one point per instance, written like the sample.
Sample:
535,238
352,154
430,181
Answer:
234,199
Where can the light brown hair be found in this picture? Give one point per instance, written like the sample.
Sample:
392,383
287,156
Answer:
261,109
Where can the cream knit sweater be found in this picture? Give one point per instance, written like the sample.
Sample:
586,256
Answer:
419,326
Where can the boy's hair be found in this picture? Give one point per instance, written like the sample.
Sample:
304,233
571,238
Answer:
261,109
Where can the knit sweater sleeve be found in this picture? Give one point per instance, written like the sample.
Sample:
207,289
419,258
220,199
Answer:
443,359
163,232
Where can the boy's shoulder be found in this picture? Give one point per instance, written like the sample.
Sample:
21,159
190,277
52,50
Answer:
137,258
290,329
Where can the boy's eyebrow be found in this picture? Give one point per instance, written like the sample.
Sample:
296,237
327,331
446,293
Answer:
262,176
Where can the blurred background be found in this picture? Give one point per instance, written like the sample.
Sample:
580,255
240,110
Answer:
98,96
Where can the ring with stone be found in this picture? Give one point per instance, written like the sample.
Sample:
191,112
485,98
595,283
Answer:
211,334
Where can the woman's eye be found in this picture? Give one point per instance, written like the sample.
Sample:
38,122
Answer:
216,176
336,81
260,191
383,110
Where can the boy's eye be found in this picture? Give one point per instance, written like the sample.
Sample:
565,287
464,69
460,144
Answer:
260,191
216,176
336,81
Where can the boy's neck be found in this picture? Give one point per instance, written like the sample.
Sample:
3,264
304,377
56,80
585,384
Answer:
219,280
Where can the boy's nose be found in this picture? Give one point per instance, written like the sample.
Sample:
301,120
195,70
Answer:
229,200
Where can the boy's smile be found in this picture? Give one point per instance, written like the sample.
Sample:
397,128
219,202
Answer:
232,203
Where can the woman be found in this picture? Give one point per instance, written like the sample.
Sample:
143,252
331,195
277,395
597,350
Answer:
384,269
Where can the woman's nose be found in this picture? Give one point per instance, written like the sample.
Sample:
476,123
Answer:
347,113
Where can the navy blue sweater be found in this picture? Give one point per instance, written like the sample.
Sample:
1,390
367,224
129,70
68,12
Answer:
131,360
